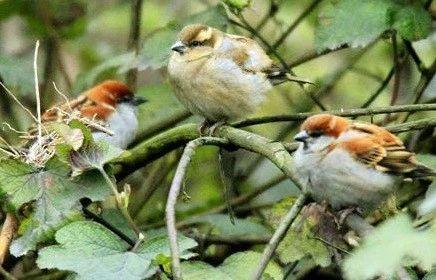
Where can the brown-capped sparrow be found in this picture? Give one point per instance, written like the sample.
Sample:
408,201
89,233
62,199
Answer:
112,104
352,164
221,76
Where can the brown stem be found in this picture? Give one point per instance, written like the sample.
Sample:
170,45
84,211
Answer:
133,42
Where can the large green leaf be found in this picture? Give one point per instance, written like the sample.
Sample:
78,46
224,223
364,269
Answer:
54,194
388,247
239,266
94,252
359,22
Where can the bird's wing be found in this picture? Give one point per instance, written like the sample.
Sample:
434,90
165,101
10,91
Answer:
246,53
380,149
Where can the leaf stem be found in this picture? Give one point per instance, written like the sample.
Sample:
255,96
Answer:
120,202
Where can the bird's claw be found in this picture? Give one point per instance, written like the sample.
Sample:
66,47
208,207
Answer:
208,129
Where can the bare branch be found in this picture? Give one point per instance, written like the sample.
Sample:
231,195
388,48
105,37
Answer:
176,185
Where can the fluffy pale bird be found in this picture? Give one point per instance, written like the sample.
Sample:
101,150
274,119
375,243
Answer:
112,104
352,164
221,76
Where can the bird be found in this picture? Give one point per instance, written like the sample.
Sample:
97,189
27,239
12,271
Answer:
111,104
352,165
221,76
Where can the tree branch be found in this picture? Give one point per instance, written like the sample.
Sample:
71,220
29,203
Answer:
176,185
171,139
9,229
278,235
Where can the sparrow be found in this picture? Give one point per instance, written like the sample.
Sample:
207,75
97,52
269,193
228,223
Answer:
221,76
352,164
111,104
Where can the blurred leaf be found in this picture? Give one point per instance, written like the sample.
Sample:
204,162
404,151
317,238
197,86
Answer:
94,252
17,73
359,22
54,193
223,226
237,5
413,22
157,48
122,63
430,276
239,266
388,247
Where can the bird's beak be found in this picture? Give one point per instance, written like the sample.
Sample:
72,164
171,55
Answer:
301,136
138,100
179,47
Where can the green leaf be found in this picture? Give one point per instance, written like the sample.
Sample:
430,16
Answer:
359,22
94,252
237,5
157,49
354,22
389,247
413,22
239,266
122,63
223,226
54,194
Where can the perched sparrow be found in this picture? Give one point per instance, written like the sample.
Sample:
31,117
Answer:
352,164
110,103
221,76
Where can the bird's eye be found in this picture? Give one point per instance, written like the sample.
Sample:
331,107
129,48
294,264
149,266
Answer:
315,134
195,43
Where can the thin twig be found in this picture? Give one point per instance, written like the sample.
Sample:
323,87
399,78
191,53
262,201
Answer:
397,69
343,113
424,81
38,99
283,227
18,102
419,64
176,185
297,21
312,54
380,89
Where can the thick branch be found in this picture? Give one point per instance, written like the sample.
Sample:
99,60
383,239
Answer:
171,139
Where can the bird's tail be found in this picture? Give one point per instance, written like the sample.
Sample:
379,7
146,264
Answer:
227,161
422,171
